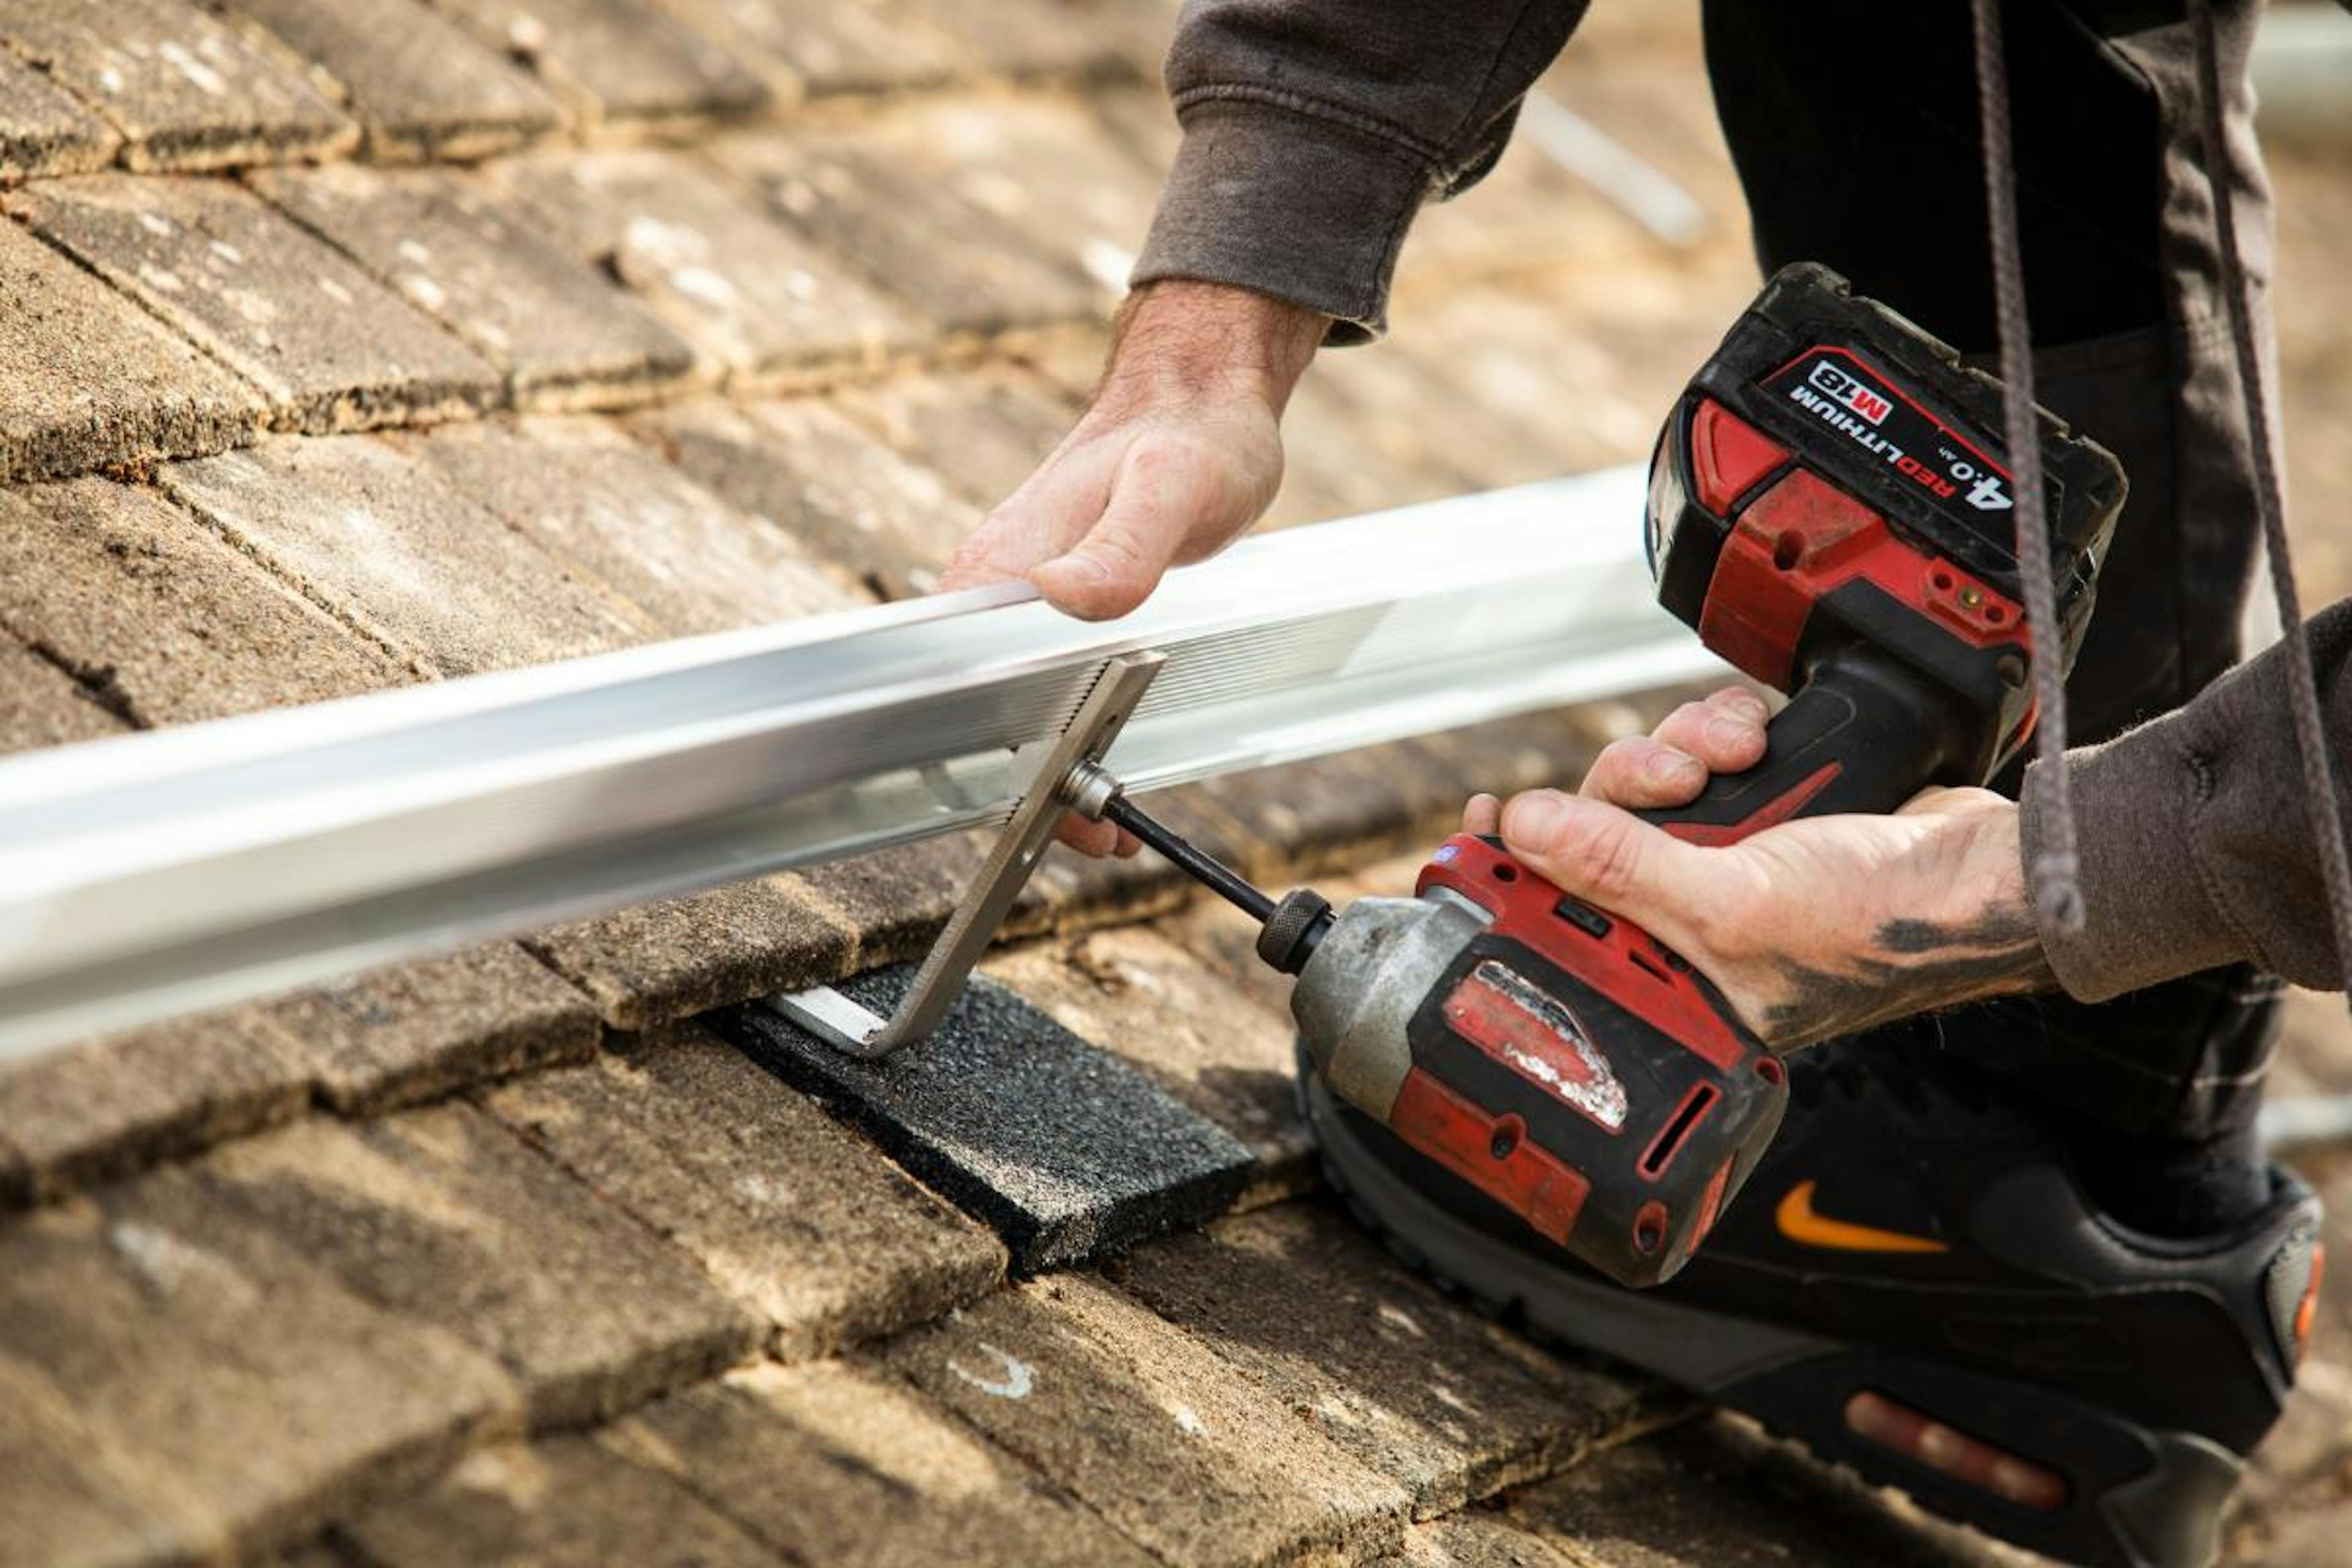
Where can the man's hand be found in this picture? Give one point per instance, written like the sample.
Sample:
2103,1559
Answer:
1179,452
1813,929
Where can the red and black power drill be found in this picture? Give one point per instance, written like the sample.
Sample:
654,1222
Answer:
1831,508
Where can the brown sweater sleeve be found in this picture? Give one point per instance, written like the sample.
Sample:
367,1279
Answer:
1314,130
2197,834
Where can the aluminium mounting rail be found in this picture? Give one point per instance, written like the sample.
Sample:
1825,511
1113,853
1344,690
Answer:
156,873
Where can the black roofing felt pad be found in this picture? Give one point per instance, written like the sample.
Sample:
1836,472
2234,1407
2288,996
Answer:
1065,1150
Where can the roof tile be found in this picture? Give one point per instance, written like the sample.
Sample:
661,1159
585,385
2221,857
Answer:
443,1217
880,1475
399,1034
1071,37
826,481
394,547
87,378
898,209
155,614
1212,1046
43,128
757,299
419,85
1720,1495
590,496
649,965
1188,1454
1062,1148
79,1116
897,900
64,1503
824,46
1415,1388
804,1222
187,89
617,60
457,250
40,705
983,430
986,214
566,1500
329,347
237,1389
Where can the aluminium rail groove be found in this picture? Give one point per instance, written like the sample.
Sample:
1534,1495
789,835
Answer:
156,873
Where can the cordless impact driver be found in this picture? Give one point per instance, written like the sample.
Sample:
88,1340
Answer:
1831,508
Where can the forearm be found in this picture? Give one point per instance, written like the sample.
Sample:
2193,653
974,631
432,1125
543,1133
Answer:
1315,130
2197,837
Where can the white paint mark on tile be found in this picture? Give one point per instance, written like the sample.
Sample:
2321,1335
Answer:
703,284
334,291
422,290
109,79
414,254
159,277
1014,1383
205,80
1396,1317
170,1264
228,253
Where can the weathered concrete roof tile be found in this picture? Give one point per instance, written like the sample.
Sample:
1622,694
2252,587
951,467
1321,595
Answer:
618,61
760,301
648,966
394,1035
87,379
826,46
983,430
1416,1388
40,705
1117,38
568,1500
64,1503
419,84
565,334
589,494
234,1387
880,1475
329,347
1186,1454
806,1223
89,1113
187,89
445,1217
830,484
898,206
396,548
43,128
158,617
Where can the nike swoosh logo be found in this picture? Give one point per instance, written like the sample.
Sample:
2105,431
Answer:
1800,1224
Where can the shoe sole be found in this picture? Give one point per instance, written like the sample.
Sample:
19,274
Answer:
2135,1497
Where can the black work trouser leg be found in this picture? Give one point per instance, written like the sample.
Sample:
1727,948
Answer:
1854,128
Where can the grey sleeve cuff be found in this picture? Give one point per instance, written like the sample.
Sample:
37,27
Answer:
2148,913
1290,202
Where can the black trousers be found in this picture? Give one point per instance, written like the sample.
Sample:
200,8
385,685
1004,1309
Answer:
1855,127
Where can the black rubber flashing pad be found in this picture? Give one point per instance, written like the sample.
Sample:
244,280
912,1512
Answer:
1066,1151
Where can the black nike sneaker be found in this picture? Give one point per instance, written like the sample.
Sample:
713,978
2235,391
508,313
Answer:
1913,1283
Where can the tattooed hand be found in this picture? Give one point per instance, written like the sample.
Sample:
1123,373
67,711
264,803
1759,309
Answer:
1816,928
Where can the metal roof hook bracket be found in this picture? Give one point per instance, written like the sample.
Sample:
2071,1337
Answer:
1067,774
